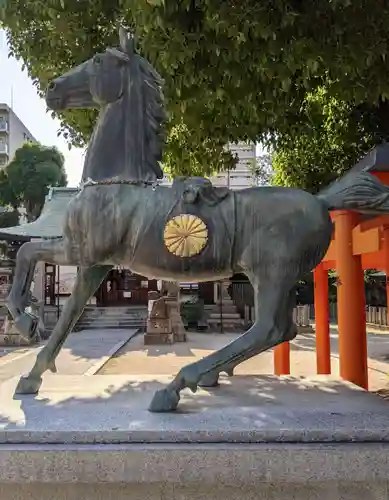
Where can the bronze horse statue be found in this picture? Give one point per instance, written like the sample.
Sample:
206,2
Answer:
188,232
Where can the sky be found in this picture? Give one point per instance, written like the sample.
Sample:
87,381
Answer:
16,86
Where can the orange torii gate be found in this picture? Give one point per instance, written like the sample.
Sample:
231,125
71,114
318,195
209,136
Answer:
358,243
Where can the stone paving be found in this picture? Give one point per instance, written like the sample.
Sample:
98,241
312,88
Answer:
248,409
83,353
89,352
135,358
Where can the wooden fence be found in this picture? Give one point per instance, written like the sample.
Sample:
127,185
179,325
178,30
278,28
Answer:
375,316
305,315
243,297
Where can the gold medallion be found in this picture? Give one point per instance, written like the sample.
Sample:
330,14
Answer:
185,235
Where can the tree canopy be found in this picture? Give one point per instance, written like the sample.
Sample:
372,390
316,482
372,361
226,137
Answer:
26,180
332,136
233,70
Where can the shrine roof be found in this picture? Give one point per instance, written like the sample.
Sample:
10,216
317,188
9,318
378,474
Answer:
49,223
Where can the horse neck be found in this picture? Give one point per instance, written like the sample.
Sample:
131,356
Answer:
116,146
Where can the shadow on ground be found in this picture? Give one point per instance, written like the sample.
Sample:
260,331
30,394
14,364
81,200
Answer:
114,409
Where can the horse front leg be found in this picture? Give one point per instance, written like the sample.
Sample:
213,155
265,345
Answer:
26,259
87,281
264,334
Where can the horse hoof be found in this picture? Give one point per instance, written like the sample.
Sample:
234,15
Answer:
209,380
28,385
164,400
27,324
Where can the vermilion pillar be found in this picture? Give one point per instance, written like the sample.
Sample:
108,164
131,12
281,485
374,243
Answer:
282,359
322,313
386,258
351,303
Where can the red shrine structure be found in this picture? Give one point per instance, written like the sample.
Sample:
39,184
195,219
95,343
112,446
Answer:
358,243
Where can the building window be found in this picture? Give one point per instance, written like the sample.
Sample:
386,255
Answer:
2,160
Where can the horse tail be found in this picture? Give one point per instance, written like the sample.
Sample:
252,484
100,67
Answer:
362,192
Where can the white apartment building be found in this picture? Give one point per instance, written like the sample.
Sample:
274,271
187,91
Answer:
13,134
241,176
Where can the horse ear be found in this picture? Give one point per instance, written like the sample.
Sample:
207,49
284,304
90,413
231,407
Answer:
126,39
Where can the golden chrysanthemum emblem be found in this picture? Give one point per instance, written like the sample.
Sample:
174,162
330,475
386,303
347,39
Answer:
185,235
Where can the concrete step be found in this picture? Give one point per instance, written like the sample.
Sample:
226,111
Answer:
113,317
217,303
225,315
109,327
102,319
225,309
218,318
235,321
113,320
227,327
115,310
120,313
117,324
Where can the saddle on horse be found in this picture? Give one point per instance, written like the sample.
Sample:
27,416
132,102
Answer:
200,190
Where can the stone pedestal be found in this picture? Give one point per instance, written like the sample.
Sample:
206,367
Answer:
92,438
10,336
164,324
159,328
172,298
178,328
159,331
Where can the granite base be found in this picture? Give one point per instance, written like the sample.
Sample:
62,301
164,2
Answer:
253,437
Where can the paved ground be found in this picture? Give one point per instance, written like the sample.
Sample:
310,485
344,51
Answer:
135,358
85,352
82,353
113,409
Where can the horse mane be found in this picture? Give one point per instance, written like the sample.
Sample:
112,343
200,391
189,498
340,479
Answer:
128,138
152,100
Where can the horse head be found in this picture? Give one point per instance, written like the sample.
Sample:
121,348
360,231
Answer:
96,82
128,136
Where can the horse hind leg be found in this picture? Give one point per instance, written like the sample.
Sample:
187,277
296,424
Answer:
87,281
284,315
263,335
285,325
